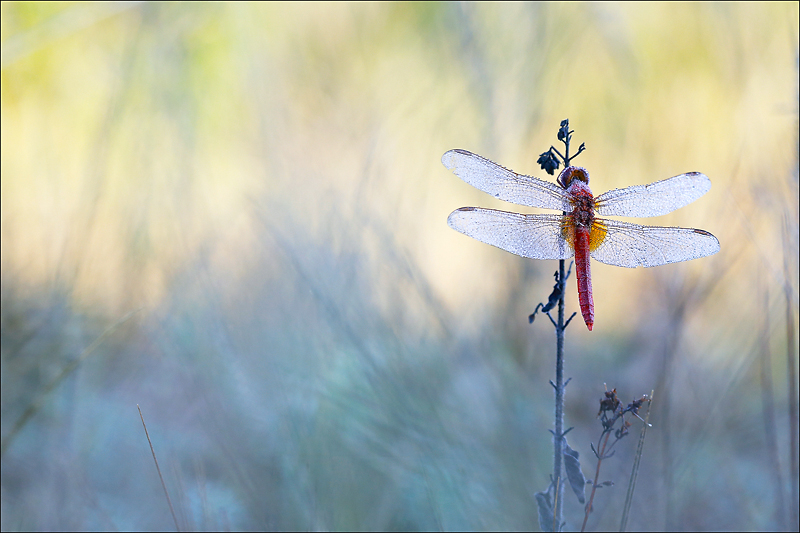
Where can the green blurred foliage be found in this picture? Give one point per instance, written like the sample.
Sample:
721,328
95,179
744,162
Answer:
314,348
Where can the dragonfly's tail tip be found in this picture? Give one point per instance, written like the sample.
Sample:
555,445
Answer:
589,325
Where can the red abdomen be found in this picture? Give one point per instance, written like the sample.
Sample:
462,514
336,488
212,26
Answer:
583,273
579,231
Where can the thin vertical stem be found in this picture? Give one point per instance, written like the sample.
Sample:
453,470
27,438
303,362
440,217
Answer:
635,469
549,162
558,437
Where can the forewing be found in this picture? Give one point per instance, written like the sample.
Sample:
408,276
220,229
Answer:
505,184
632,245
653,200
534,236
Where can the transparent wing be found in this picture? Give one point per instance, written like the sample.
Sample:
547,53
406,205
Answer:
505,184
652,200
534,236
632,245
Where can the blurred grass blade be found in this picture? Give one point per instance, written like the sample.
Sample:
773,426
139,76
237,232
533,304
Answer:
34,407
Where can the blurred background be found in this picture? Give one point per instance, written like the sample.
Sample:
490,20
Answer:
234,217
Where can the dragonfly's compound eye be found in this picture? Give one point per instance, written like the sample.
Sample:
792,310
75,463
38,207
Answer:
569,174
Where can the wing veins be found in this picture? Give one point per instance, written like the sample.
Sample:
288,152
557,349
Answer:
505,184
532,236
655,199
632,245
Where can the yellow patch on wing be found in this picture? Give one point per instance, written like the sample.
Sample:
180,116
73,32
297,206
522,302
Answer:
568,230
597,235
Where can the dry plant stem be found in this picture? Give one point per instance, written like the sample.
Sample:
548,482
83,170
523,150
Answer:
791,375
169,502
558,437
635,470
601,453
558,431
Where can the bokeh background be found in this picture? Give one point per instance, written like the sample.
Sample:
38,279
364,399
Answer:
234,216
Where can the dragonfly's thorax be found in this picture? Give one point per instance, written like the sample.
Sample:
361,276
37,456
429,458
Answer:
582,203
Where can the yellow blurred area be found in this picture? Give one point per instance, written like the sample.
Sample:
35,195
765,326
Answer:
135,139
283,160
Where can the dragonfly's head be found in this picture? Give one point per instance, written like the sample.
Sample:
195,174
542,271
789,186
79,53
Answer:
570,174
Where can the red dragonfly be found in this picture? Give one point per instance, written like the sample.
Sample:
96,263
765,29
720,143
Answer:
577,231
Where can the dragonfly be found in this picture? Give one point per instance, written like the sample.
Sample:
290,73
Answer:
578,231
